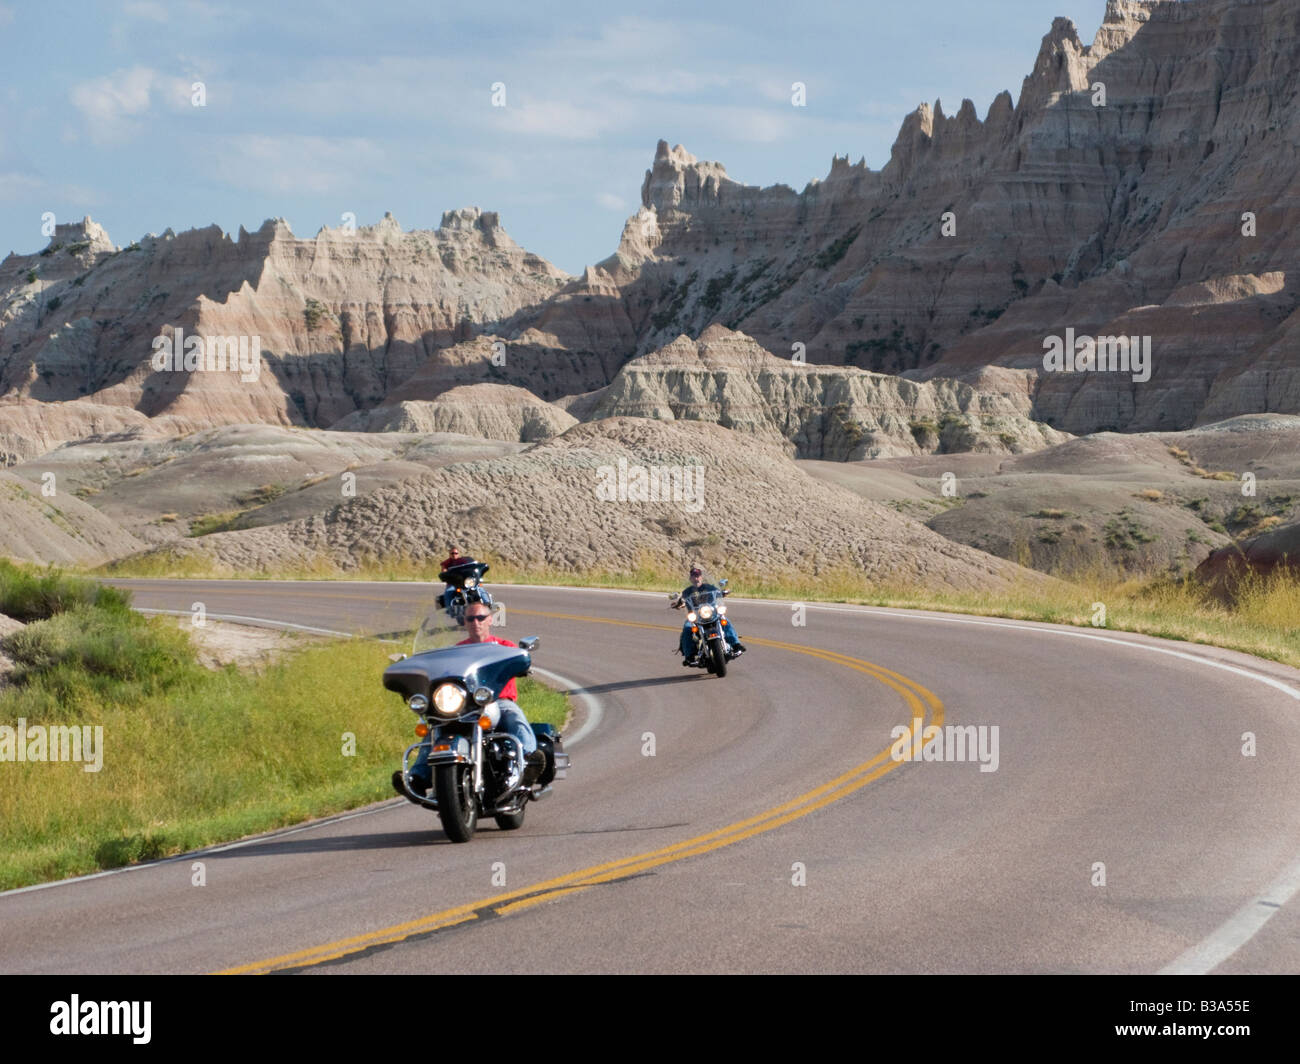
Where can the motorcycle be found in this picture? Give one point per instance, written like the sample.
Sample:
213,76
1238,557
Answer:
478,768
707,614
464,577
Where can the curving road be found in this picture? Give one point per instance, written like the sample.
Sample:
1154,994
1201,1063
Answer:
771,830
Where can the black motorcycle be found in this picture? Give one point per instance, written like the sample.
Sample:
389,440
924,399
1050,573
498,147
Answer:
463,580
707,614
478,769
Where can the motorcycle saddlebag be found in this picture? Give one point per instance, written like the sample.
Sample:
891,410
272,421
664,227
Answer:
557,761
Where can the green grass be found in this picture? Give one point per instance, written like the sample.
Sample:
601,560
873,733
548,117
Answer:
190,757
209,523
229,754
31,594
541,704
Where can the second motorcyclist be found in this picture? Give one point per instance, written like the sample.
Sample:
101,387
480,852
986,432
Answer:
686,599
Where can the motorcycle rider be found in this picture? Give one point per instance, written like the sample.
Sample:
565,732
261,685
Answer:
478,622
686,599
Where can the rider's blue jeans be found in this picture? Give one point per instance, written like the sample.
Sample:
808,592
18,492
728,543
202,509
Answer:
688,641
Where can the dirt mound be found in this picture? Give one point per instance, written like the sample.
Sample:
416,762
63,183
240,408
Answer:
57,527
1262,554
161,489
492,411
609,493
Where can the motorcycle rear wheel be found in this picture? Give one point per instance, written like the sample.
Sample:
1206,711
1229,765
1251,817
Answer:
719,655
457,806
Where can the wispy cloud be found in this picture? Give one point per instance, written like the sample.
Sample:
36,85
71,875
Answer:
15,186
24,186
108,105
295,163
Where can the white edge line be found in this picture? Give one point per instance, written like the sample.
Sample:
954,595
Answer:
261,622
594,710
1238,929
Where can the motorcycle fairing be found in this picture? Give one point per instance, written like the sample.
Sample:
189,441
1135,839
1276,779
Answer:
475,665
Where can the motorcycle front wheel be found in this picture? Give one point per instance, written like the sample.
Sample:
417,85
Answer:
457,807
719,654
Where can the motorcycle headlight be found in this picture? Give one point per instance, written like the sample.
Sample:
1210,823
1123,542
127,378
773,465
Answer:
706,611
691,617
722,609
418,703
449,700
483,695
471,582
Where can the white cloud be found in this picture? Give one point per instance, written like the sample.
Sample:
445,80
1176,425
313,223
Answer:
296,164
556,118
14,186
6,14
109,104
20,186
614,203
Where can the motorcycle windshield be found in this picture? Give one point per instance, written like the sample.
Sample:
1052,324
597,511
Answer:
468,569
473,665
437,630
696,599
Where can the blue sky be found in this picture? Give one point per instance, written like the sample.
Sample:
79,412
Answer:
318,108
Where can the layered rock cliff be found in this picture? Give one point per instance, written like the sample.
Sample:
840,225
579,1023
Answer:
339,320
1158,160
1143,185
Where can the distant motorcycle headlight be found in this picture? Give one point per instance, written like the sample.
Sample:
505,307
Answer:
449,700
722,609
706,612
482,695
418,703
691,617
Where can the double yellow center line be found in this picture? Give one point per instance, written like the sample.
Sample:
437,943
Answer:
920,702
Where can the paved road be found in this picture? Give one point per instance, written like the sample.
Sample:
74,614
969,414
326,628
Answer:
771,830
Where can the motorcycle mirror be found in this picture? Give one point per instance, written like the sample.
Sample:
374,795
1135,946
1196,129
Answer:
722,583
529,642
396,657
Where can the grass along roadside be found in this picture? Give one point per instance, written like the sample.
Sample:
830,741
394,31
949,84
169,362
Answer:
1263,618
187,757
234,755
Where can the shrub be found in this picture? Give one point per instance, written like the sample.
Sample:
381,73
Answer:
93,653
28,594
837,249
313,313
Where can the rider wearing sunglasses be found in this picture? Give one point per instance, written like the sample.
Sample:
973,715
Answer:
478,623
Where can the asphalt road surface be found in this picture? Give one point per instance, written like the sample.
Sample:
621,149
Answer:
1110,823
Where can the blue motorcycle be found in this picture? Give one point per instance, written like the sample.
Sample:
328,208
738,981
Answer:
478,767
